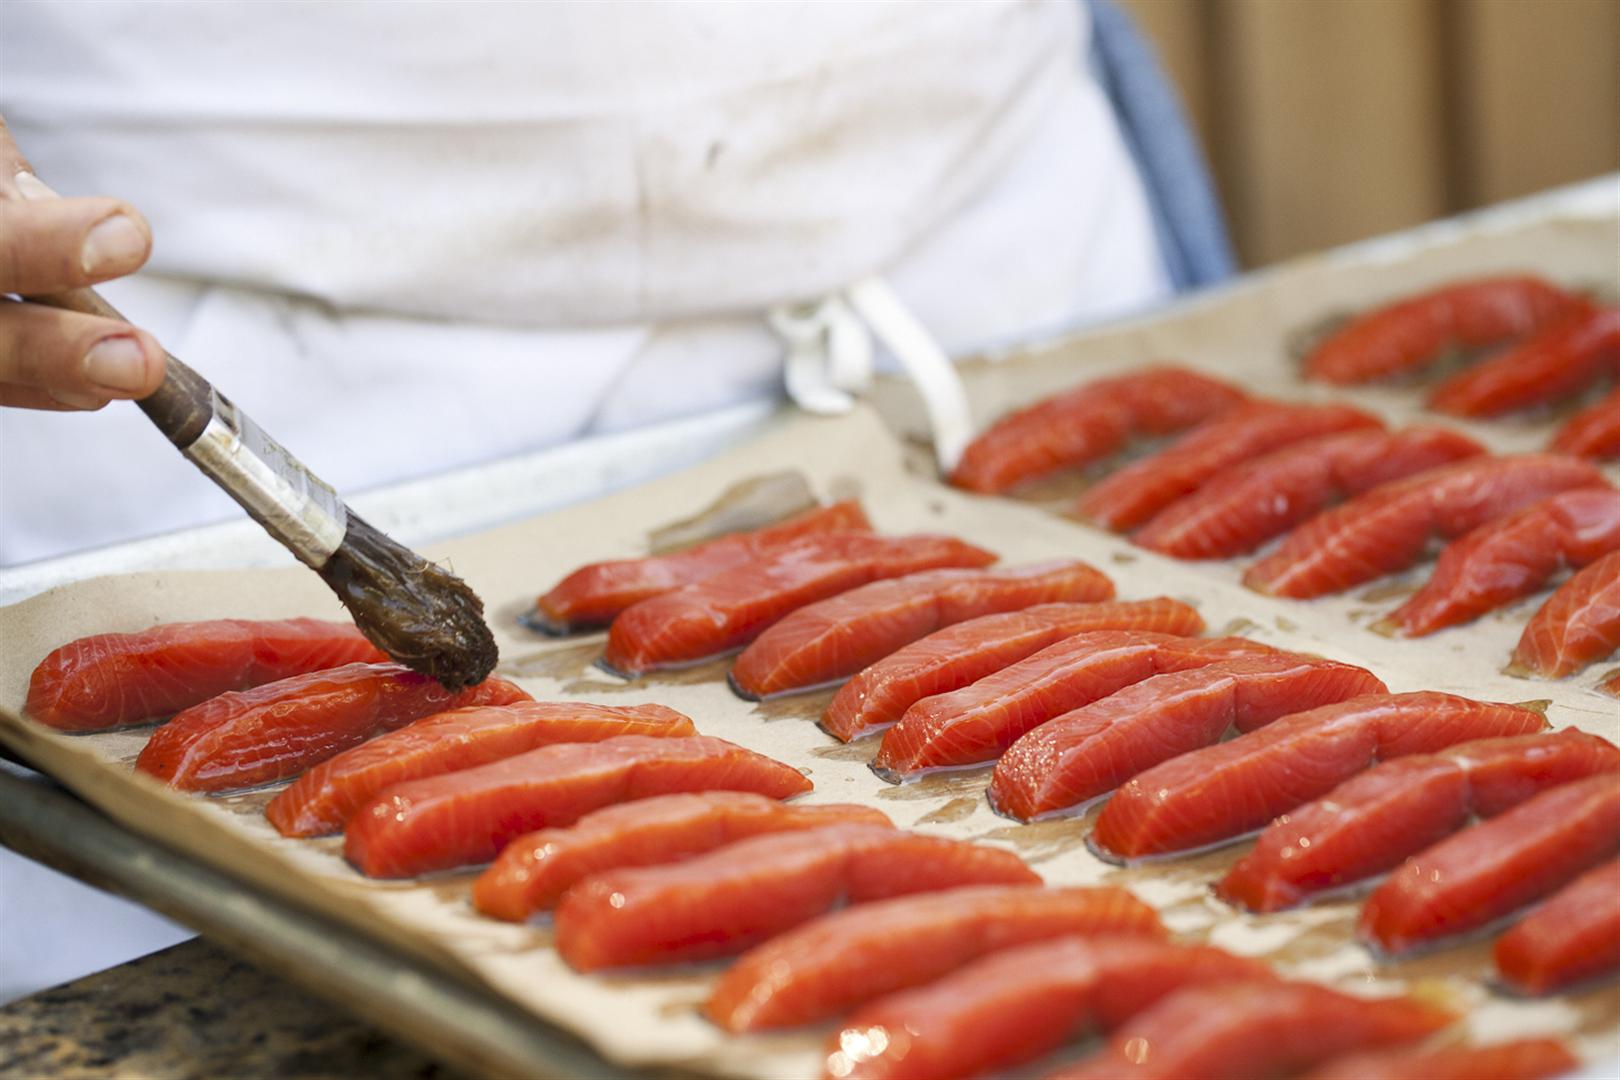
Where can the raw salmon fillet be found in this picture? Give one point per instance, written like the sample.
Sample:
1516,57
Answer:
1410,333
110,680
742,894
834,638
849,957
594,594
466,817
729,610
1594,432
1526,1059
979,722
1089,422
1222,791
1571,938
325,797
1489,871
252,737
1512,557
1095,748
532,872
1140,490
961,655
1014,1005
1370,823
1389,528
1237,1031
1248,504
1557,363
1578,624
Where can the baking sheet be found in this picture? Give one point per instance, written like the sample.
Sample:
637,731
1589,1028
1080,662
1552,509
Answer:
654,1019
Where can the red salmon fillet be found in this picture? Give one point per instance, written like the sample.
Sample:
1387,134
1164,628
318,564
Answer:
1140,490
1557,363
1484,873
1248,504
1571,938
466,817
1594,432
1222,791
1388,528
1578,624
733,898
110,680
532,872
594,594
729,610
1512,557
1089,422
325,797
1410,333
1236,1031
849,957
1017,1004
979,722
275,731
1094,749
1526,1059
1370,823
837,637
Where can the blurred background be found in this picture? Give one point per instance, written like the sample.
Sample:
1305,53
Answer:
1327,121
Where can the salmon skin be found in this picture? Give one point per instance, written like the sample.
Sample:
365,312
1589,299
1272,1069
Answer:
1408,334
1236,1031
979,722
1370,823
1572,938
1512,557
848,957
1594,432
1525,1059
1094,749
325,797
1087,423
1014,1005
1223,791
731,899
466,817
113,680
1388,528
1248,504
1484,873
594,594
961,655
275,731
1557,363
1140,490
729,610
834,638
1578,624
532,872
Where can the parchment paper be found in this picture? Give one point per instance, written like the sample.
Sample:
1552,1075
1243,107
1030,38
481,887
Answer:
642,1019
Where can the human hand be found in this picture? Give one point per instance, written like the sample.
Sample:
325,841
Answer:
52,359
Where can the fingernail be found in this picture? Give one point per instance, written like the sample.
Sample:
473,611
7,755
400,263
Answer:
78,401
32,187
118,364
113,245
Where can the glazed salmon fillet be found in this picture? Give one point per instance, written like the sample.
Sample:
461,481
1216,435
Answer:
1524,1059
276,731
1594,432
832,639
1248,504
325,797
1578,624
467,817
1557,363
112,680
961,655
532,872
1088,423
729,610
848,957
1572,938
733,898
593,595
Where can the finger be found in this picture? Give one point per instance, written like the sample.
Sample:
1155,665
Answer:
75,358
48,245
26,397
12,162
